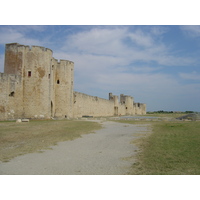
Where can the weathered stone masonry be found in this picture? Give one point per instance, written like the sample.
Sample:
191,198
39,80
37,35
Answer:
36,85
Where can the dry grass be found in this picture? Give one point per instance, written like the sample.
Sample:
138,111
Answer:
21,138
172,115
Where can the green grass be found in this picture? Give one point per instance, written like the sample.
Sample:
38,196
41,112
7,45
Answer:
173,148
173,115
21,138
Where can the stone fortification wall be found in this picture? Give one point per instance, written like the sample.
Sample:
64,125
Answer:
86,105
121,110
11,96
140,108
36,85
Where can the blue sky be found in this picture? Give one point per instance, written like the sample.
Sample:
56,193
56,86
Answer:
157,65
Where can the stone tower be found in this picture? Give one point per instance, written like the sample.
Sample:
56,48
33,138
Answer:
114,98
63,79
47,85
128,102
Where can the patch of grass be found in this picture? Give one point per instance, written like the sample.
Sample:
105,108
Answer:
171,115
172,149
21,138
139,122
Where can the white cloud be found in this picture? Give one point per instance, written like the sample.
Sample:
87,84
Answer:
12,35
97,41
191,30
159,30
145,69
190,76
112,43
141,39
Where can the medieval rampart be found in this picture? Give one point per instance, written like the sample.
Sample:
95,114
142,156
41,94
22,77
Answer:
36,85
11,93
86,105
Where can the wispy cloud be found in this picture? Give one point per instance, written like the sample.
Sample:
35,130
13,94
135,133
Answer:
158,30
125,45
142,39
8,34
190,76
191,30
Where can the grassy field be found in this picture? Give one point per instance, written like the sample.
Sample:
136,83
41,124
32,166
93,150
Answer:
173,115
21,138
173,148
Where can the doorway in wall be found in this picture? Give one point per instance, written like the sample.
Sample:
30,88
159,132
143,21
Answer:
115,110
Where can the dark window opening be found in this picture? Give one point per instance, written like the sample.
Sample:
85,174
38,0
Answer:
49,76
12,94
58,82
29,73
126,108
52,115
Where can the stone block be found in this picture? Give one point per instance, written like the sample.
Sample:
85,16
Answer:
25,120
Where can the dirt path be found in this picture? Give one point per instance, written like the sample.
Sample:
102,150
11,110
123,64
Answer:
107,152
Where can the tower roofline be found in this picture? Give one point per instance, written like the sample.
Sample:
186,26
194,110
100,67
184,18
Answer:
28,46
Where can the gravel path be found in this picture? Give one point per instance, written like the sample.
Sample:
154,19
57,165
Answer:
106,152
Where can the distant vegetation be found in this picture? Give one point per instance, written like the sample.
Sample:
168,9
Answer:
162,111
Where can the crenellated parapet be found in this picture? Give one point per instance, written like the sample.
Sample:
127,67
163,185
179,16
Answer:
19,47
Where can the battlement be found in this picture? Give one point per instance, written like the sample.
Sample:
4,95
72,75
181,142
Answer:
95,98
66,61
39,48
126,96
113,97
125,99
28,47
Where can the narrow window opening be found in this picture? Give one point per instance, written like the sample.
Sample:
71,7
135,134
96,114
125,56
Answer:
29,73
52,109
12,94
49,76
126,108
58,81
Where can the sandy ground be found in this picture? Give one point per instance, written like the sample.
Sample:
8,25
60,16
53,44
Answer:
108,151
